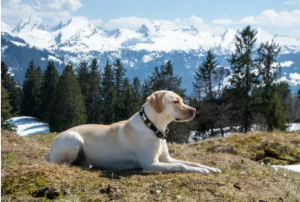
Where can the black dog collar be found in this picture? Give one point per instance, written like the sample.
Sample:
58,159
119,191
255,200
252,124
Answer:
160,134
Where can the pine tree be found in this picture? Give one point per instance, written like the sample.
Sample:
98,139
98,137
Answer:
244,78
5,106
205,77
50,81
276,115
268,70
128,100
119,74
31,91
68,108
156,80
137,94
83,78
269,73
170,81
13,89
93,93
108,95
146,90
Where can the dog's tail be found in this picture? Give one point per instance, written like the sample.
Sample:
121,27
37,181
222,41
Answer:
47,158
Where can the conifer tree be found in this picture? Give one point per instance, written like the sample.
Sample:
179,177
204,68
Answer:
128,100
83,78
13,89
31,91
137,94
68,108
164,79
93,93
108,95
48,88
276,115
156,80
5,106
269,73
205,78
119,74
268,70
244,78
146,90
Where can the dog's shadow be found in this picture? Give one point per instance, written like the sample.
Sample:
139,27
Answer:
119,174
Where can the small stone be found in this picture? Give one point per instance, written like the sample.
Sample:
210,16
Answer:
237,186
66,192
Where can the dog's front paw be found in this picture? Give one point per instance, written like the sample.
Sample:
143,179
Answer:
215,170
203,171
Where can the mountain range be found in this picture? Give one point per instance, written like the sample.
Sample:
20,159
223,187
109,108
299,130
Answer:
140,50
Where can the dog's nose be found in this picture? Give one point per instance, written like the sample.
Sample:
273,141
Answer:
193,110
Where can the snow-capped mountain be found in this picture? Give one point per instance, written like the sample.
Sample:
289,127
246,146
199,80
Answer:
143,49
30,23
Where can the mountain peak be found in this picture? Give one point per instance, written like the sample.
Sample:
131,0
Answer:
143,29
30,22
5,27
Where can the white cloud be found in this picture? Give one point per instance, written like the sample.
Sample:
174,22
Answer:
55,9
292,2
282,18
248,20
127,23
69,5
223,21
14,8
97,22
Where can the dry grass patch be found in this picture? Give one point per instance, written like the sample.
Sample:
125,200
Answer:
243,177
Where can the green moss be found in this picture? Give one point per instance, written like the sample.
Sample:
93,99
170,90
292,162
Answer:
23,184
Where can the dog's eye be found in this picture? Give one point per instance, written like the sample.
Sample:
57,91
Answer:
176,102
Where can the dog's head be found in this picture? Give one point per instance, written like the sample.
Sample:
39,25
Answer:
171,105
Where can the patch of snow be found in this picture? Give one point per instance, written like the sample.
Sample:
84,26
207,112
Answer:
295,78
295,168
27,125
50,57
131,64
43,59
294,127
3,49
283,64
18,43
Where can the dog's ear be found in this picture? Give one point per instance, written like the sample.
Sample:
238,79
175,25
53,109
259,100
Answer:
156,100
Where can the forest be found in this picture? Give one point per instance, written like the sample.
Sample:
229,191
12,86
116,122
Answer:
242,97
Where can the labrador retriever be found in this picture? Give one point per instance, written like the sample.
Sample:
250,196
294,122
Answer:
138,142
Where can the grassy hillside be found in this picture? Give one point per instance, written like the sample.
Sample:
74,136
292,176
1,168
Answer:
242,159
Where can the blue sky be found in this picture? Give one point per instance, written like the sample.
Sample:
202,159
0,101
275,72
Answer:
275,16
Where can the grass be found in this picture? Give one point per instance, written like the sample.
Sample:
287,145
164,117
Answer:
243,159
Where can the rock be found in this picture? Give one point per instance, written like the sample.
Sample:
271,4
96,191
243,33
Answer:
66,192
237,186
112,192
49,192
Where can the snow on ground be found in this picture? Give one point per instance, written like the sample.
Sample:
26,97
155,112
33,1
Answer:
27,125
295,168
195,135
294,127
